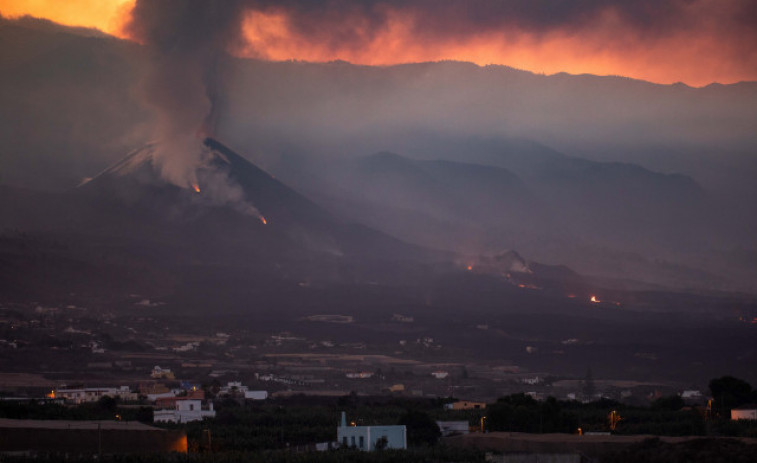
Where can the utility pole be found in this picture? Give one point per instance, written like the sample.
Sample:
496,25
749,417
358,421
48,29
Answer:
99,442
210,445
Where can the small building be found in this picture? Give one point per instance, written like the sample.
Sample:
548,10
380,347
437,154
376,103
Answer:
233,389
691,395
370,438
93,394
164,373
744,412
453,428
256,395
440,374
465,405
186,410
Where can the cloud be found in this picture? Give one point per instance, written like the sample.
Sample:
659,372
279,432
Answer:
697,41
693,41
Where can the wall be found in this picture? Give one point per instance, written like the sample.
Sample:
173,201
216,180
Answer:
87,441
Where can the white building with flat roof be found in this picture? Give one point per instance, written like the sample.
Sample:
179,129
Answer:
369,438
256,395
186,410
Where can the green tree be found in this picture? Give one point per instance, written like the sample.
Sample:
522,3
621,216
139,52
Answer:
729,392
107,403
421,428
671,402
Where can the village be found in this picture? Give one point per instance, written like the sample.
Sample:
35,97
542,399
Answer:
314,383
152,354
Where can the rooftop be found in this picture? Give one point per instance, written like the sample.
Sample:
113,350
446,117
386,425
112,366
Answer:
70,424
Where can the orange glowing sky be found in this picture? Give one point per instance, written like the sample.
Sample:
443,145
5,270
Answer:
106,15
704,46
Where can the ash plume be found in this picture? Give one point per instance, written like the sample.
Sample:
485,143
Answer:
186,41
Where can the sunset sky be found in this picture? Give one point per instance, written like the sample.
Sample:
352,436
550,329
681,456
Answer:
665,41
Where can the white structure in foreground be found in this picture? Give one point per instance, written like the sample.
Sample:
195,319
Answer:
369,438
745,412
186,410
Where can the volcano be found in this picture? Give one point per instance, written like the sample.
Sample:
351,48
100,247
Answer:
233,225
230,232
229,200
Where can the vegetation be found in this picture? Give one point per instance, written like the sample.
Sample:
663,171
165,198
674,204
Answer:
286,429
421,428
519,412
696,451
437,454
665,417
106,408
729,392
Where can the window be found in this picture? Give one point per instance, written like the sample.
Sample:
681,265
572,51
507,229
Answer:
362,442
344,441
352,441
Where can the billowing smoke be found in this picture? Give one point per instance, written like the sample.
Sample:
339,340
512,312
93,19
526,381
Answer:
186,41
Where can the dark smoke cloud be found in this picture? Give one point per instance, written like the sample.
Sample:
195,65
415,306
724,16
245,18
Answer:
462,17
695,41
186,40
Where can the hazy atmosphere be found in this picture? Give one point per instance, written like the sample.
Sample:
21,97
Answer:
493,190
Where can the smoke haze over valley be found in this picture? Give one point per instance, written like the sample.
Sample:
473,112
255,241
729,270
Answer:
607,175
224,162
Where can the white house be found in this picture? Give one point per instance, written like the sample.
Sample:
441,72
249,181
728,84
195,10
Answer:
256,395
233,388
369,438
186,410
745,412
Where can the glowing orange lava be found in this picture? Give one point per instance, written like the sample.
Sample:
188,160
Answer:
594,299
196,187
262,219
470,267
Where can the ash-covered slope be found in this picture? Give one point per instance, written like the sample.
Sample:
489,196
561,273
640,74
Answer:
234,228
231,200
